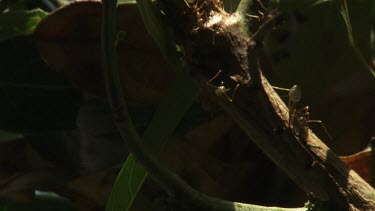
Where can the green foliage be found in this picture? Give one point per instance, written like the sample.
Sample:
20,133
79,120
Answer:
8,136
159,32
165,120
126,1
311,206
17,23
172,109
345,15
133,175
318,53
320,56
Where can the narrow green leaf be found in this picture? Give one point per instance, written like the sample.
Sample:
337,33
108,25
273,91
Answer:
125,1
17,23
318,2
345,15
170,112
166,118
159,32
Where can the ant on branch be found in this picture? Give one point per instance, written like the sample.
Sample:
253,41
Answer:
221,90
299,116
202,16
261,14
197,11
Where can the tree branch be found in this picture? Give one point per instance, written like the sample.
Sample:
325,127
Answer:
258,110
169,181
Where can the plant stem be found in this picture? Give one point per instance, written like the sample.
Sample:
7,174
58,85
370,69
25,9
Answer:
169,181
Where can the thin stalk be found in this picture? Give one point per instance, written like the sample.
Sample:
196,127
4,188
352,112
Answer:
168,180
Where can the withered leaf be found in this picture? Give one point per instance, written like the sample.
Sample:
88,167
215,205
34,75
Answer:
69,41
361,163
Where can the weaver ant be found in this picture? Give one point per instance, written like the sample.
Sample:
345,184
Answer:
221,90
299,116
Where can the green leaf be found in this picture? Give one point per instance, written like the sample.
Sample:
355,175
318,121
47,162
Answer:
317,53
292,5
170,112
17,23
159,32
8,136
126,1
345,15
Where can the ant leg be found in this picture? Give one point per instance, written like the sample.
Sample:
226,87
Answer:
261,14
199,8
213,86
234,92
253,16
225,94
292,114
261,4
281,89
213,78
187,4
321,123
221,90
307,116
220,4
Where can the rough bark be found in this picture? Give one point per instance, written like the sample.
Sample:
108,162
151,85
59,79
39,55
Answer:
213,40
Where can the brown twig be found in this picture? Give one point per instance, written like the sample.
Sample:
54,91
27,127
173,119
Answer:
169,181
259,111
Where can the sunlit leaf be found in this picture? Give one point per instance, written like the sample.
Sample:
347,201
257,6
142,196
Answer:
16,23
125,1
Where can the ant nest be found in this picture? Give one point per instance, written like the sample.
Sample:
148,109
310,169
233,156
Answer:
217,18
210,14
